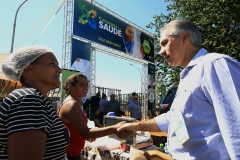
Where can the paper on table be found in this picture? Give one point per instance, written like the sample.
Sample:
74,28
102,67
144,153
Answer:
140,139
106,143
91,124
136,154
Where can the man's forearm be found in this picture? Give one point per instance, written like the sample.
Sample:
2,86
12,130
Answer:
149,125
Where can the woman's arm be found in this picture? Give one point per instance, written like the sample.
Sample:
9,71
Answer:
72,113
27,145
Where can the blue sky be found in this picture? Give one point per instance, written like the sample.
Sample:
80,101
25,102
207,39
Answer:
111,72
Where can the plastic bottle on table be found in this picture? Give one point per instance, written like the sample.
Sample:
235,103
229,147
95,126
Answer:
161,148
166,149
123,146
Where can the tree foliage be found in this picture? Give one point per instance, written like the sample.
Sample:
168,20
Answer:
219,25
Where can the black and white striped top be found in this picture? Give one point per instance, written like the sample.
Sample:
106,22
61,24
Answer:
27,109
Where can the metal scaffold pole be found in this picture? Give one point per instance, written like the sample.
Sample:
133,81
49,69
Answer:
67,34
144,90
93,72
67,37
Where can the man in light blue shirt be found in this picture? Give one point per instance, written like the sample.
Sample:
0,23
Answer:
103,106
113,105
207,99
131,100
135,109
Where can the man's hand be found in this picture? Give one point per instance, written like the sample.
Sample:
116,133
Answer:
155,153
123,133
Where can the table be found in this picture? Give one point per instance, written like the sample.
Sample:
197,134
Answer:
92,153
159,134
159,137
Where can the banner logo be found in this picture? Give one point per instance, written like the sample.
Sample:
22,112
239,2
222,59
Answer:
88,16
146,46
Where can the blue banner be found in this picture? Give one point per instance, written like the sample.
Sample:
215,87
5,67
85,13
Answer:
80,59
94,24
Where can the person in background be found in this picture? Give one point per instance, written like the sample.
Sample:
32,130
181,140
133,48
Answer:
203,121
75,120
86,107
113,105
128,39
94,101
131,100
135,109
96,117
103,107
30,127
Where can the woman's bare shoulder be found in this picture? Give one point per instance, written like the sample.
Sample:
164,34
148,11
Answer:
70,105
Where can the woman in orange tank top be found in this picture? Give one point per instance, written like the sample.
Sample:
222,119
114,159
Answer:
75,120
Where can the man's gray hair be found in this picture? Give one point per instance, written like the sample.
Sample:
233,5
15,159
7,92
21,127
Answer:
181,25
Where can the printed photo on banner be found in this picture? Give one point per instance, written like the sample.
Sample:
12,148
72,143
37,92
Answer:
80,59
143,46
83,66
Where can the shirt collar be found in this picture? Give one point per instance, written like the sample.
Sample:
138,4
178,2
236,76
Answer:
196,59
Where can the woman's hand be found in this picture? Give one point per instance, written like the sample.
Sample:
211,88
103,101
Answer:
133,127
118,125
123,133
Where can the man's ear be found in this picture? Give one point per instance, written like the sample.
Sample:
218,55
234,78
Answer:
185,37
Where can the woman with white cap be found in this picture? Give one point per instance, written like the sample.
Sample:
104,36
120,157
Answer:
73,117
29,126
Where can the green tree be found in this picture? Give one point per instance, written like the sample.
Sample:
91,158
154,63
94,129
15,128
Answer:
219,25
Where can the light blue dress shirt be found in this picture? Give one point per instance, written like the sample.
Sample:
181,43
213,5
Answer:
135,110
208,98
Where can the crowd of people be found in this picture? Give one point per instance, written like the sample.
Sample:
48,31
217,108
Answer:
202,123
99,107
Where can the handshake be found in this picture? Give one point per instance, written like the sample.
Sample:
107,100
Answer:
123,129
